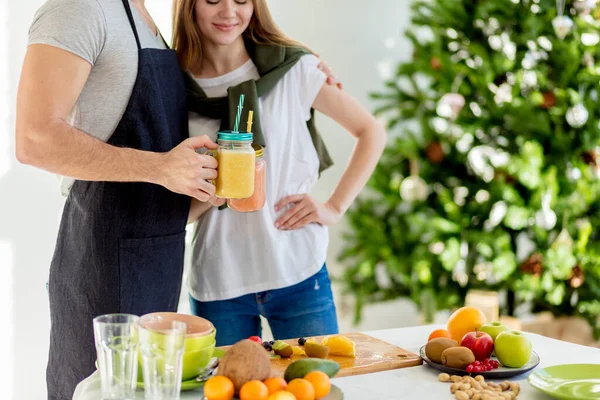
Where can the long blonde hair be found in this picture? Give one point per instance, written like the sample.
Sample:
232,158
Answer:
187,37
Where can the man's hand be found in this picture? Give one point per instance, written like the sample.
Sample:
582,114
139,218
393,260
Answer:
305,210
184,171
331,78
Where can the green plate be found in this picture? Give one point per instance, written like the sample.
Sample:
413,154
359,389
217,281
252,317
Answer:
192,384
569,381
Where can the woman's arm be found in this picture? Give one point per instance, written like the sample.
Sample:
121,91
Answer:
370,142
198,208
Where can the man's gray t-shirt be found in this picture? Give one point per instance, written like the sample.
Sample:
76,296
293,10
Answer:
99,32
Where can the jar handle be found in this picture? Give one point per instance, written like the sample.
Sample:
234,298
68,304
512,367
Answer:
211,153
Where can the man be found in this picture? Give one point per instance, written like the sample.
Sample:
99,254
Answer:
101,102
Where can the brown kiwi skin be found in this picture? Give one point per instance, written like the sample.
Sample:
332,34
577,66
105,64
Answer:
435,347
457,357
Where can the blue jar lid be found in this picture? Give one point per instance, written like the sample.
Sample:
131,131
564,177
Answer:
235,137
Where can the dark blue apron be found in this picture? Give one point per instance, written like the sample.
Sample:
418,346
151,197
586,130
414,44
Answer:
120,247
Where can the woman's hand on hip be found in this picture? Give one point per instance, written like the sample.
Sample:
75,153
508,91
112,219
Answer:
305,210
185,171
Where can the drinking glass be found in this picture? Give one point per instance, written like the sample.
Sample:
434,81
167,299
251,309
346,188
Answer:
116,338
161,349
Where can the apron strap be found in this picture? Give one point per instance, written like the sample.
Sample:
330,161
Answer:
132,23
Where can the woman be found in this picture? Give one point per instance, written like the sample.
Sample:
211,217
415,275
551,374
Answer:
271,262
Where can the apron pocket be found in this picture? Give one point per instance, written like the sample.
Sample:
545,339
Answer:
150,273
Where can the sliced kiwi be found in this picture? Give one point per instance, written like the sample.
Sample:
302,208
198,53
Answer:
283,349
316,350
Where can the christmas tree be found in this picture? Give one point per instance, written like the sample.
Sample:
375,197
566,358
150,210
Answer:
492,178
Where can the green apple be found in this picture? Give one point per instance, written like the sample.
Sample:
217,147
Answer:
513,349
494,329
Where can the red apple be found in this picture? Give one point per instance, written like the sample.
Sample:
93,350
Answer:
480,343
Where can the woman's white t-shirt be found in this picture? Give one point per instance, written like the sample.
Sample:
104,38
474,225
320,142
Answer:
240,253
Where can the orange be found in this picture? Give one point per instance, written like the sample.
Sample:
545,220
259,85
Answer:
218,388
282,395
302,389
465,320
254,390
320,382
275,384
340,346
439,333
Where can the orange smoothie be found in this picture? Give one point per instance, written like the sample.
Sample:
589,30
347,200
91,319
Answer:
235,174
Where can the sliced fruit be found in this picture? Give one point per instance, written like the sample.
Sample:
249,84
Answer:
297,351
283,349
316,350
300,368
340,346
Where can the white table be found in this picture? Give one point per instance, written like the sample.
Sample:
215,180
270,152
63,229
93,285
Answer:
414,382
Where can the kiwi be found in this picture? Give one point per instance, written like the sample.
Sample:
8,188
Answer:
457,357
435,347
245,361
283,349
316,350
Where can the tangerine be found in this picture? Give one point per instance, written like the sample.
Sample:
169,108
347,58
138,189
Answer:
275,384
320,382
302,389
254,390
439,333
465,320
282,395
218,388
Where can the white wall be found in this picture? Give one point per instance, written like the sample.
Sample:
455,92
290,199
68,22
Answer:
350,35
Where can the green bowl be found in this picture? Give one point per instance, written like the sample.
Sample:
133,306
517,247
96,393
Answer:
199,341
194,362
193,342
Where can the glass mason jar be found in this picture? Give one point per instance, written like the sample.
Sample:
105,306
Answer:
236,158
258,198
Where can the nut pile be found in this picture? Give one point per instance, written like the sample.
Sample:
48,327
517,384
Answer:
467,387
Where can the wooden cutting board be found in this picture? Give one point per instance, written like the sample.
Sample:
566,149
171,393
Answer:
372,355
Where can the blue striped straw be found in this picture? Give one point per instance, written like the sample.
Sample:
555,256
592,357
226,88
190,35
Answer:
238,117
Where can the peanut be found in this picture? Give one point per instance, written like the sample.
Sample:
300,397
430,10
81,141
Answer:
467,387
460,395
454,387
444,377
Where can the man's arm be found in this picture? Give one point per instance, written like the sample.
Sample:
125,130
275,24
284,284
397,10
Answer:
51,81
